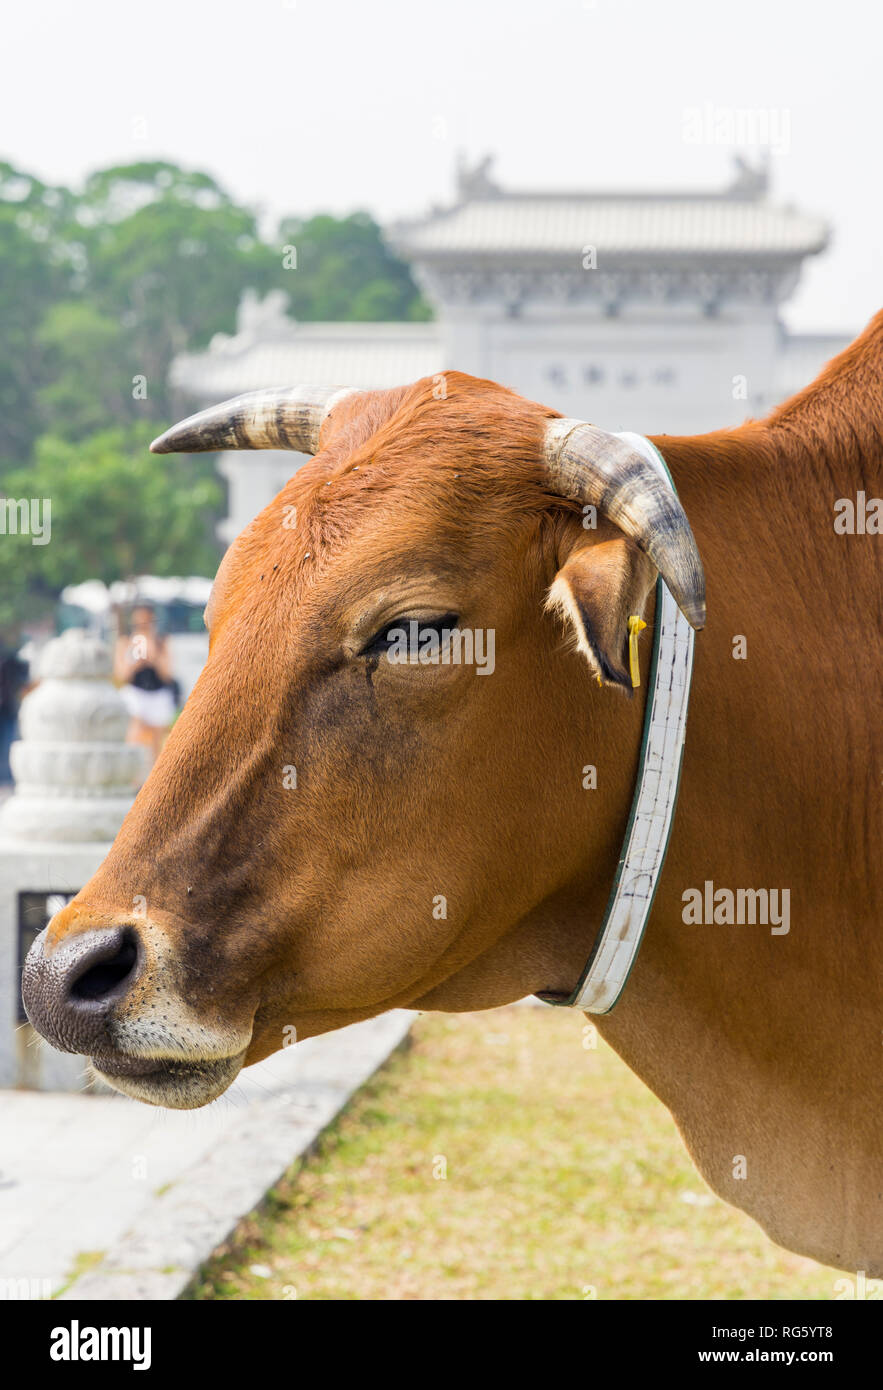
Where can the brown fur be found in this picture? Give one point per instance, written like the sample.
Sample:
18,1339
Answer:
314,907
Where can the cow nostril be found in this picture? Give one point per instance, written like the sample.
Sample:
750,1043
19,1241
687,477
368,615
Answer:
71,992
104,978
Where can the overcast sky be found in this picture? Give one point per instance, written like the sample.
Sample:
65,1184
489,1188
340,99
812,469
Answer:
301,105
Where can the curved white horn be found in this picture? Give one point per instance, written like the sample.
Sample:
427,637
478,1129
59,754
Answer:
281,417
587,464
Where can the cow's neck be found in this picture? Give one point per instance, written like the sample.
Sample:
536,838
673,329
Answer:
765,1044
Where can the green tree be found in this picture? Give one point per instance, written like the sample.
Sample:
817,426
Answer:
116,511
169,255
89,369
345,270
36,268
99,290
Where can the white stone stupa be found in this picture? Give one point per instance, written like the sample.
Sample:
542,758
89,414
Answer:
75,779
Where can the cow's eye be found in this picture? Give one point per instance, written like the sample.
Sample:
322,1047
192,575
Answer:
404,636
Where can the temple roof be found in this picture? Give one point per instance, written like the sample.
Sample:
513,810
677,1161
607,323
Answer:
488,221
269,349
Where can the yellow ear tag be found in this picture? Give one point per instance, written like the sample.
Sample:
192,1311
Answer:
636,625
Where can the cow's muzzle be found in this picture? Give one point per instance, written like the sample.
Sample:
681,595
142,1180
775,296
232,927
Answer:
107,991
71,994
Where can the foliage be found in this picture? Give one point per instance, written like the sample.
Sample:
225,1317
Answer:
345,271
116,511
34,273
88,367
100,288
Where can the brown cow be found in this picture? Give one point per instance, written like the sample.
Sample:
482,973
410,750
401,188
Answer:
329,833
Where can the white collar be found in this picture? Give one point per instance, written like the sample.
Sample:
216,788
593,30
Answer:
656,793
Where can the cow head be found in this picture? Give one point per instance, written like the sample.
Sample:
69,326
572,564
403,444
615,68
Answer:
378,778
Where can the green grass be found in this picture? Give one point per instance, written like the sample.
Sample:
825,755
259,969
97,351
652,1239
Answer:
565,1179
86,1260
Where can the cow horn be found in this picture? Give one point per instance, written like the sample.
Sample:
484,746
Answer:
587,464
282,417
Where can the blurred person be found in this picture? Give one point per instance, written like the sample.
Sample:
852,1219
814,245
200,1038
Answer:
142,667
13,679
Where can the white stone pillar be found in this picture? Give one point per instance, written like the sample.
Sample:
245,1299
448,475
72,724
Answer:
75,779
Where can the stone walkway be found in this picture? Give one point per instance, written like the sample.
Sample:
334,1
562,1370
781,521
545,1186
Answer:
154,1192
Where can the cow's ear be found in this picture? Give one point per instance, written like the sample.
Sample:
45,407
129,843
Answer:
597,591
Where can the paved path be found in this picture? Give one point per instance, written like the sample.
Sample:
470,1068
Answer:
156,1191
